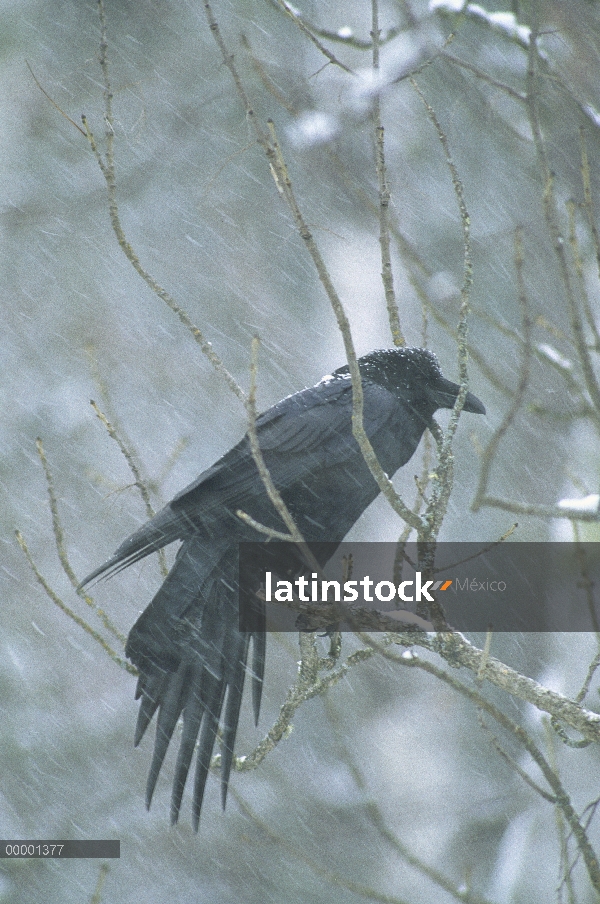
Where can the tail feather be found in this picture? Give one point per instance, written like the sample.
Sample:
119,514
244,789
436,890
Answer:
230,720
192,718
259,650
169,712
151,692
192,659
215,692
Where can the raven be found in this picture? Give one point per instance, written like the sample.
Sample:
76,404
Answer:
187,646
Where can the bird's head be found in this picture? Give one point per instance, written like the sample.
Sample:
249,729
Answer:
414,375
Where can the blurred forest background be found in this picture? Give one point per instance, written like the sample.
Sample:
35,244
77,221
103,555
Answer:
388,789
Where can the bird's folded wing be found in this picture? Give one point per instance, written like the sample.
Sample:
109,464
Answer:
304,432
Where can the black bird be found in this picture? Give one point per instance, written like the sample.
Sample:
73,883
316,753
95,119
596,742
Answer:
191,655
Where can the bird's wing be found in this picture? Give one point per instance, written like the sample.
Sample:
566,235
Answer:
304,432
161,530
192,661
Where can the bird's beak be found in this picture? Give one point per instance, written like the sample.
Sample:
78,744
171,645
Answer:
445,394
473,404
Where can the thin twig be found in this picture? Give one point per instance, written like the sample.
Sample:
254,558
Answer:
484,76
72,615
166,297
387,274
268,532
443,481
272,491
137,476
102,874
541,511
59,539
550,798
491,449
107,167
54,104
578,263
312,37
553,223
345,36
587,194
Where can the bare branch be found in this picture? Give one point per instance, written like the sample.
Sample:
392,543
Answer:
122,663
387,275
54,104
312,37
59,539
524,373
133,467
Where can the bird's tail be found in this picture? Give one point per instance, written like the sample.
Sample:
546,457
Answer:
192,660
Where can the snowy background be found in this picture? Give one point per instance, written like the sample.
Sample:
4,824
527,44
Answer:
202,212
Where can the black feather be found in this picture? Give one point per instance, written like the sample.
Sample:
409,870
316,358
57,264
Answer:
187,645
